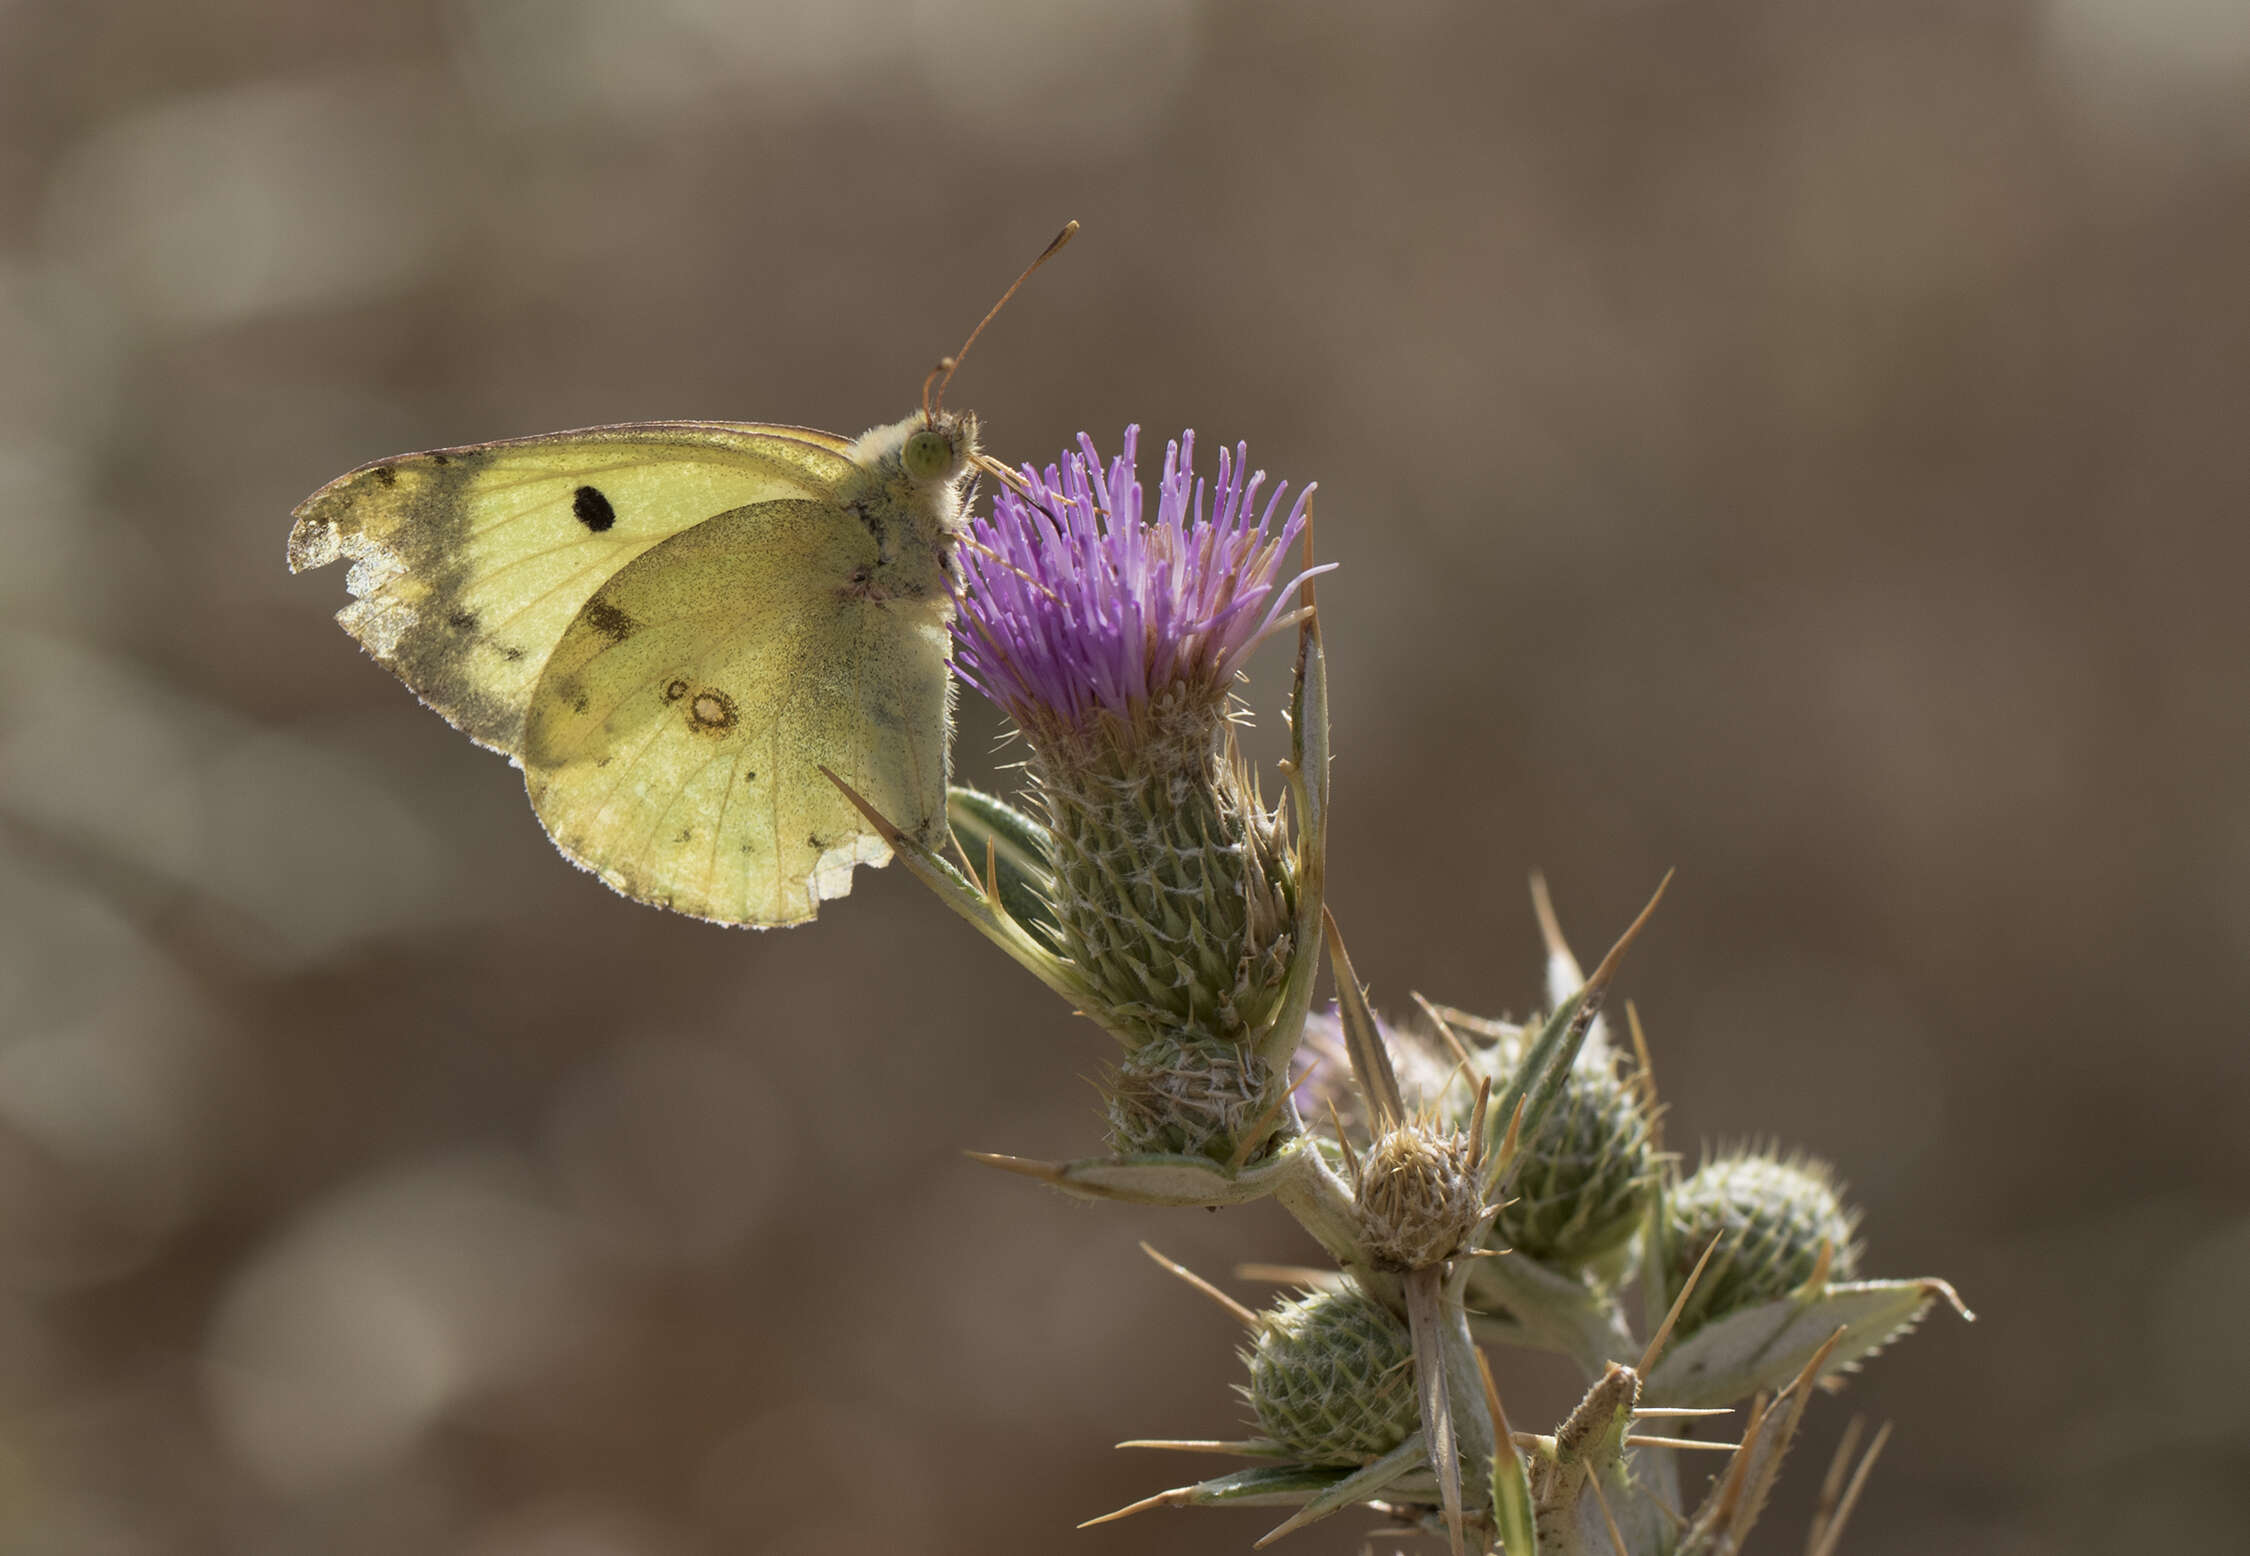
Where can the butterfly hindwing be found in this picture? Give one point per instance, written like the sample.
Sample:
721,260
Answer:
468,563
674,741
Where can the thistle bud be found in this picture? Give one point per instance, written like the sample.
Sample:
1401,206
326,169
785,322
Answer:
1188,1096
1175,889
1771,1216
1419,1197
1332,1377
1582,1183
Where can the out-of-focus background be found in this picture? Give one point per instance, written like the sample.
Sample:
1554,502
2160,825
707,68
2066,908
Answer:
1804,444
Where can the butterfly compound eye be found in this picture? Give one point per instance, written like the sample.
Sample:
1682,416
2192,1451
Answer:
929,455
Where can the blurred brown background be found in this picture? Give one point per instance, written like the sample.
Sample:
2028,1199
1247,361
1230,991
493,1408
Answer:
1803,444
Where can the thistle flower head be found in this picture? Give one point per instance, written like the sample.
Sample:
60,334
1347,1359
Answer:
1419,1203
1111,636
1080,612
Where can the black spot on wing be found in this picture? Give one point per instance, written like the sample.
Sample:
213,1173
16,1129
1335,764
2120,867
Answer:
386,476
607,619
593,508
462,621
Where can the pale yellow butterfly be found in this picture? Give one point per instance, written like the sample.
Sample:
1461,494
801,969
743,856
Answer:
672,627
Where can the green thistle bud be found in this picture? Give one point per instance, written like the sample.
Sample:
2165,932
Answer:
1174,887
1583,1182
1332,1377
1419,1197
1771,1216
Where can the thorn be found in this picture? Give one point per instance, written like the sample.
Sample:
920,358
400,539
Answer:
1174,1498
1550,931
1645,1080
1514,1139
992,876
1289,1275
1616,1535
1670,1412
1023,1166
1598,985
967,868
1213,1445
1445,1032
1810,1372
1243,1315
1351,1157
875,818
1637,1440
1476,1127
1832,1483
1664,1330
1812,1285
1835,1531
1729,1489
1492,1394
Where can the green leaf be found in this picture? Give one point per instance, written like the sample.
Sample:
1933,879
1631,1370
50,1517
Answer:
1548,1311
1161,1179
1765,1346
1273,1485
1356,1486
1019,851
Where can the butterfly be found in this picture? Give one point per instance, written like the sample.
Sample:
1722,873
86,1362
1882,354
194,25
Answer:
714,648
671,627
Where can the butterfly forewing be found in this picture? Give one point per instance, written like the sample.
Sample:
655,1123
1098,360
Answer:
674,741
469,563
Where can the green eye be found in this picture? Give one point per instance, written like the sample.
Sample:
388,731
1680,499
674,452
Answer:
927,455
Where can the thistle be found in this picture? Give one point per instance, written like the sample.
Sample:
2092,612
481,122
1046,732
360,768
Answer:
1502,1177
1112,638
1372,1390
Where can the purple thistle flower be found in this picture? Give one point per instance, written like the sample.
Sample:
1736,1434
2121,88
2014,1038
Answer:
1075,606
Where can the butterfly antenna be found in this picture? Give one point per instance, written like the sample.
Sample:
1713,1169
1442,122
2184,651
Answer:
942,374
